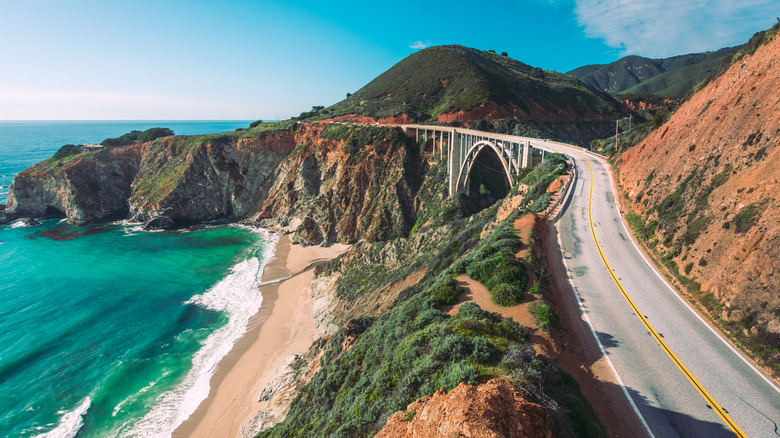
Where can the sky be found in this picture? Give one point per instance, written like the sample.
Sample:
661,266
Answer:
249,60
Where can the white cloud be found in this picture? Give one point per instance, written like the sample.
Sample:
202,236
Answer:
661,28
420,44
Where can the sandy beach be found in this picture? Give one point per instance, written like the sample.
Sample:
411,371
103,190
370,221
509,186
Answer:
282,327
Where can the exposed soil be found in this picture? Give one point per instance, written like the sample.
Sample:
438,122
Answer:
729,237
491,409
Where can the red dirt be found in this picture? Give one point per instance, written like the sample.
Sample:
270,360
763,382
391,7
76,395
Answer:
489,410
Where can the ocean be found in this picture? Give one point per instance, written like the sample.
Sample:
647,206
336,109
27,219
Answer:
107,330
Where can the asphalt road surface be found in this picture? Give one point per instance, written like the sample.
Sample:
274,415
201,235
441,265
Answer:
680,376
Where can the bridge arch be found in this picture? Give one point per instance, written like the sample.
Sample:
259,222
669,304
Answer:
481,147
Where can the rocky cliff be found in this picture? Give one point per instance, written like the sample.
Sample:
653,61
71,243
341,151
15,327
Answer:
705,189
201,178
344,183
84,185
166,182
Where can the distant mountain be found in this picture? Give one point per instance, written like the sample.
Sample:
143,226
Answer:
447,83
673,77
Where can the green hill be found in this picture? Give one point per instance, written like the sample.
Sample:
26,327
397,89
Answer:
673,77
447,79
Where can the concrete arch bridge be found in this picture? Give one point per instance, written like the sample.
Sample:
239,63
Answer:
462,147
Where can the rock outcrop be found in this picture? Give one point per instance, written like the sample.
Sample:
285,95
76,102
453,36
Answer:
202,178
491,409
87,186
167,182
342,184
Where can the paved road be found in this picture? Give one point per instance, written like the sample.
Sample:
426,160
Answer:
668,402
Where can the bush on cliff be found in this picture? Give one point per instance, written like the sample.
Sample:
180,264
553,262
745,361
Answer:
137,137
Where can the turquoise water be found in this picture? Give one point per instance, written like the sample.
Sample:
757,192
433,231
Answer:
113,331
108,330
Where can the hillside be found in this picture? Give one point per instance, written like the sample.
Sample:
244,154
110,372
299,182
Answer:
454,84
672,77
703,188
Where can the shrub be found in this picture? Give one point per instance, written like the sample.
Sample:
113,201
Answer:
451,347
483,349
136,136
471,310
506,295
543,314
447,293
746,218
428,317
66,151
457,373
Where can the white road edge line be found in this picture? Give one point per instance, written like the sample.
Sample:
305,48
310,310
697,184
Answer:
595,336
679,297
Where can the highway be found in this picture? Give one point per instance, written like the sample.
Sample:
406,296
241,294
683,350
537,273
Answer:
679,375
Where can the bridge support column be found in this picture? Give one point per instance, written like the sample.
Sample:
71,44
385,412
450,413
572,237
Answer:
527,154
453,160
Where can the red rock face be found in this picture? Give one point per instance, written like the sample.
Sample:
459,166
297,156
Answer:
345,189
727,133
492,409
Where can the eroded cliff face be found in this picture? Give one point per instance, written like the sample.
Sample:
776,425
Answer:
707,184
171,181
491,409
343,184
202,178
88,186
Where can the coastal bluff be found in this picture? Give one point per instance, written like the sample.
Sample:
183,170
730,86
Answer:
172,181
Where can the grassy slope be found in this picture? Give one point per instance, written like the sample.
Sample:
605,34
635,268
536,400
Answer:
446,79
673,77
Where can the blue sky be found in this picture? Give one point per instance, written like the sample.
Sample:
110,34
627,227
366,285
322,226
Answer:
233,59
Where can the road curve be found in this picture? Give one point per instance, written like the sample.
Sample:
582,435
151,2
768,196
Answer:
650,335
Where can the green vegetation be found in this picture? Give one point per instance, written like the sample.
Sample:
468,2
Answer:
544,316
67,155
137,137
493,263
66,151
672,77
539,179
413,348
447,79
747,217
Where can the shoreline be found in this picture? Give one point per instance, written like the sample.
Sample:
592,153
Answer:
278,330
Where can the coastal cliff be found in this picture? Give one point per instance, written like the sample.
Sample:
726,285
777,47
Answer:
167,182
84,185
191,179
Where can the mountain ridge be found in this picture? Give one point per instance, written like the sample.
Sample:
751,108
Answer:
673,77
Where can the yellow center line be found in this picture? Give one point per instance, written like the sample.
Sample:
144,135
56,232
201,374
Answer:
723,415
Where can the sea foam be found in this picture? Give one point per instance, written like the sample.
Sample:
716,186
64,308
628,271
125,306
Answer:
70,422
237,295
